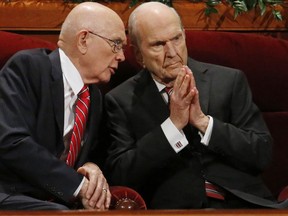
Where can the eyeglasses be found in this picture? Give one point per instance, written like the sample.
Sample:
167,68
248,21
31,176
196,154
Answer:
116,45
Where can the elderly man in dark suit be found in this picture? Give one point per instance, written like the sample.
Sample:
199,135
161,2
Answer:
202,145
44,161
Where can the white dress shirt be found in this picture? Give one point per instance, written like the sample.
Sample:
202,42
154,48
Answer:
72,86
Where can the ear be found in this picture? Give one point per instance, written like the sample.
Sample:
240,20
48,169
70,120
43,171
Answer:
82,41
138,56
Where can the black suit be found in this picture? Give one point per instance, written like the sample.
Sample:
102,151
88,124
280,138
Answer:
141,157
31,125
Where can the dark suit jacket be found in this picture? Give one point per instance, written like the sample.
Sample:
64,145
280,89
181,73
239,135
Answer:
31,128
141,157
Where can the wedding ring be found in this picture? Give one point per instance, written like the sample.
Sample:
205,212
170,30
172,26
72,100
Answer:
104,189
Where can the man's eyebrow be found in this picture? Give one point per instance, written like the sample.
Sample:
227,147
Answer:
118,40
177,35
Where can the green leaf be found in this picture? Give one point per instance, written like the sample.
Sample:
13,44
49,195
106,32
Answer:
239,6
167,2
212,3
277,15
236,13
262,7
210,10
274,1
133,3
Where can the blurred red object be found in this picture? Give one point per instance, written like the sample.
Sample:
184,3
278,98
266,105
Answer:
283,195
125,198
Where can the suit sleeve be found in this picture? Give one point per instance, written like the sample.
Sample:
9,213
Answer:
23,156
240,136
133,160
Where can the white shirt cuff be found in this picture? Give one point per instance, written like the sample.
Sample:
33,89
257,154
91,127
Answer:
205,139
75,194
175,137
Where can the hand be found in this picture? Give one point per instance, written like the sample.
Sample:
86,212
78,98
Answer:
196,117
181,98
94,193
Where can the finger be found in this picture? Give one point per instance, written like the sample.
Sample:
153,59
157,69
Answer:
179,80
91,186
180,88
93,174
105,198
108,197
195,95
85,204
82,171
188,71
98,190
185,86
102,199
86,172
83,189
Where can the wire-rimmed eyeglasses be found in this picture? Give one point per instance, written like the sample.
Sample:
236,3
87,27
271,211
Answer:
116,45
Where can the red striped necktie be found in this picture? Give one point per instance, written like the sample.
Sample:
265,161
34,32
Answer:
81,115
169,91
213,191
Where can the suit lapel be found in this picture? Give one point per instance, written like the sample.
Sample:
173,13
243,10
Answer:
57,89
149,96
95,109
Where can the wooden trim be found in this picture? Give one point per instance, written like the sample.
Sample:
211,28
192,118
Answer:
203,212
45,15
193,17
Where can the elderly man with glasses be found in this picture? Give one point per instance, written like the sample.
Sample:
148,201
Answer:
50,115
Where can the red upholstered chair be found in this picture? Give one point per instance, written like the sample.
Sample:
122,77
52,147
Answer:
122,197
10,43
283,194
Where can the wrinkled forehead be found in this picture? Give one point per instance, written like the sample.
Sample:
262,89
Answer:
163,26
157,14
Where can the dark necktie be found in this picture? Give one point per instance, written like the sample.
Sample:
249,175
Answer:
81,115
169,91
211,190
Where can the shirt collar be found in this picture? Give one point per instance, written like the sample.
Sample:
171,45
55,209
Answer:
70,72
160,86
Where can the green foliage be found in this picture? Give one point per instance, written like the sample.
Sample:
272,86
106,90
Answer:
239,6
242,6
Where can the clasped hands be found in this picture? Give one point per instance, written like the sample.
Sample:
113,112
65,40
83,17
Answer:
94,193
184,102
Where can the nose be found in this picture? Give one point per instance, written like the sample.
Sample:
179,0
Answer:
170,49
120,56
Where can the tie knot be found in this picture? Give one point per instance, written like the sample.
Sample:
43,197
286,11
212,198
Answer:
169,90
84,93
